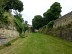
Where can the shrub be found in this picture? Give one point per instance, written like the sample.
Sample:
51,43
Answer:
50,24
69,25
7,44
22,35
18,24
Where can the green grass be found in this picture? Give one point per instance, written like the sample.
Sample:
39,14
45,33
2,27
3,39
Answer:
9,43
37,43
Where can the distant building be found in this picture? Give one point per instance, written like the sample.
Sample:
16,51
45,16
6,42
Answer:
29,25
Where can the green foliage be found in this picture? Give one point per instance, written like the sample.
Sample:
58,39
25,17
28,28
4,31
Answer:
37,43
5,6
69,25
48,17
1,12
32,29
50,24
37,22
4,20
7,44
19,25
13,4
19,17
42,30
25,26
53,13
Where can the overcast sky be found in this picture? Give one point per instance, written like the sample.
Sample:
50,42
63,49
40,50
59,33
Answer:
38,7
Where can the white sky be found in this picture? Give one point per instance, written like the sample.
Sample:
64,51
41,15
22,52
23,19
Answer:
38,7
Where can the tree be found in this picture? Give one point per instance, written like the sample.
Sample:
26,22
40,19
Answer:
19,23
53,13
19,16
13,4
37,22
3,19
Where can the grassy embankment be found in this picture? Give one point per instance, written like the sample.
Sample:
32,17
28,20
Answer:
37,43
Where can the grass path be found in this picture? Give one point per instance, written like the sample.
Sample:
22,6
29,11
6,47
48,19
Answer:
37,43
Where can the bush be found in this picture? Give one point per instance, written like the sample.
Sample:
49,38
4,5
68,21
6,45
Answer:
22,35
50,24
18,24
69,25
7,44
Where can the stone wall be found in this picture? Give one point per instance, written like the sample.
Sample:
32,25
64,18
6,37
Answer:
61,32
7,35
64,20
8,32
62,27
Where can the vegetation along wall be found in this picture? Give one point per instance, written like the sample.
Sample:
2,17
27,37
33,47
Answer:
8,32
62,27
